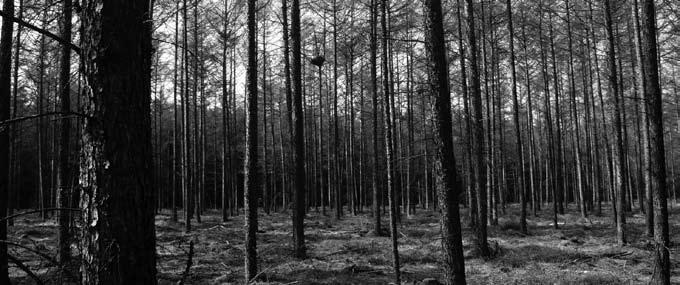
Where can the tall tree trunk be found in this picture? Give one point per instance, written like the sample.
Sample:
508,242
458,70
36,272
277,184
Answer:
518,130
572,90
620,168
14,131
559,161
251,181
187,186
289,91
226,134
642,83
478,135
472,201
116,167
298,135
657,153
5,93
374,93
41,122
551,163
448,183
64,217
389,143
175,125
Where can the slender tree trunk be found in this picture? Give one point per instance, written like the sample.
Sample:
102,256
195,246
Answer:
41,122
657,153
620,168
5,84
187,186
64,217
472,201
374,91
559,162
251,181
15,132
551,163
572,90
642,83
175,125
226,134
518,131
389,150
298,135
478,135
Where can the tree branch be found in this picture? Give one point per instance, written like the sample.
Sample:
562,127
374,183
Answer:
47,33
16,120
25,268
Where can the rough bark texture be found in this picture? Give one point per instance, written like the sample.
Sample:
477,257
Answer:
298,140
477,135
515,118
63,194
118,244
5,73
657,181
620,163
251,180
447,181
389,153
374,94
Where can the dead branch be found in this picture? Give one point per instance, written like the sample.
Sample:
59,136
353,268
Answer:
189,263
25,268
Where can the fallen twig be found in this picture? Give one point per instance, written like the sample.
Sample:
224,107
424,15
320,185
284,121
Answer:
38,211
25,268
189,263
43,255
259,273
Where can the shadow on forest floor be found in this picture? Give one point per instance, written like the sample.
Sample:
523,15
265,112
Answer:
581,251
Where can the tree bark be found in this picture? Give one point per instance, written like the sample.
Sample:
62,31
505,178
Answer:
5,94
477,136
518,130
251,181
64,217
620,167
298,136
657,153
389,149
448,183
116,169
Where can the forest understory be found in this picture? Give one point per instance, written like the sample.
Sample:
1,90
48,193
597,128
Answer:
581,251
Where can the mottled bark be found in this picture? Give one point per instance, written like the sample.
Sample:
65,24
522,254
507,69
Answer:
116,168
657,162
63,194
250,177
5,73
447,181
298,136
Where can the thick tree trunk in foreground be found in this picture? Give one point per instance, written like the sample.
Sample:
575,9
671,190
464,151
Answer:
118,245
250,177
447,180
5,73
298,136
63,194
657,181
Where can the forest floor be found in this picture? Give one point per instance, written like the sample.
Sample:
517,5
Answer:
581,251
